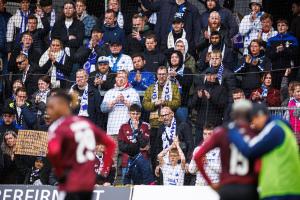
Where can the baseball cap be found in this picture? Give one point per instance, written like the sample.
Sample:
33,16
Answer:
258,2
8,110
103,59
259,109
177,20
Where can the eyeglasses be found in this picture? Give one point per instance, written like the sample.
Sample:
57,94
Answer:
165,115
20,62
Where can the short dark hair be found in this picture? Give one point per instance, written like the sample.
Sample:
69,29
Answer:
237,91
266,16
136,108
138,55
282,21
21,89
81,1
46,79
151,36
162,68
109,11
215,33
32,17
64,95
208,126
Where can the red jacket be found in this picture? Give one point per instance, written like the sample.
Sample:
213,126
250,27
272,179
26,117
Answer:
273,97
130,143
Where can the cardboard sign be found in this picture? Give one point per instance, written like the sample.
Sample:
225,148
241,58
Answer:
32,143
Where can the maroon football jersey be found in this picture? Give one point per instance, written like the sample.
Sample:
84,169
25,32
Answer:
72,142
236,169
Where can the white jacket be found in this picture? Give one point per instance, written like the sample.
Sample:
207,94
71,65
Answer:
119,113
125,63
250,29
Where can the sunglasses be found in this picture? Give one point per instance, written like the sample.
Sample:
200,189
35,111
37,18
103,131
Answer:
20,62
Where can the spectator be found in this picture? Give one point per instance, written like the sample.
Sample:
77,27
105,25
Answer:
39,98
4,17
133,141
88,54
100,154
88,97
24,47
25,117
102,79
282,49
182,77
154,58
69,29
176,33
15,85
38,35
181,45
10,173
17,25
171,129
135,42
251,26
295,111
117,102
88,20
48,12
28,74
295,24
227,18
172,165
162,93
117,60
237,94
266,93
139,78
167,11
115,6
56,60
267,30
224,76
253,66
286,88
210,101
112,31
214,24
7,123
38,174
212,161
216,43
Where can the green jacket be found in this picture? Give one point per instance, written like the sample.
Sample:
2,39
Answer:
150,106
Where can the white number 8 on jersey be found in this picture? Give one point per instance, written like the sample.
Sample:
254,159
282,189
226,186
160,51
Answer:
85,138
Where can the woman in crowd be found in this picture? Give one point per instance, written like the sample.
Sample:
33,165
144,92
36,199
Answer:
9,172
294,105
56,60
266,93
179,74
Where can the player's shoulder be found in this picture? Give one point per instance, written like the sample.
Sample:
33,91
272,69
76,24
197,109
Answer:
221,129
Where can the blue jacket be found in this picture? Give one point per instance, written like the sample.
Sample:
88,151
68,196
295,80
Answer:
148,78
282,59
4,17
113,34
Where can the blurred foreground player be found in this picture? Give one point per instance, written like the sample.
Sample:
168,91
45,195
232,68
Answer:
276,145
72,142
237,179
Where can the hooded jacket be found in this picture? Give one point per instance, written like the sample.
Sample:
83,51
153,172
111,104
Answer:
227,19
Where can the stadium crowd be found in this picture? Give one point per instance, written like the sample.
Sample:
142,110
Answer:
158,85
